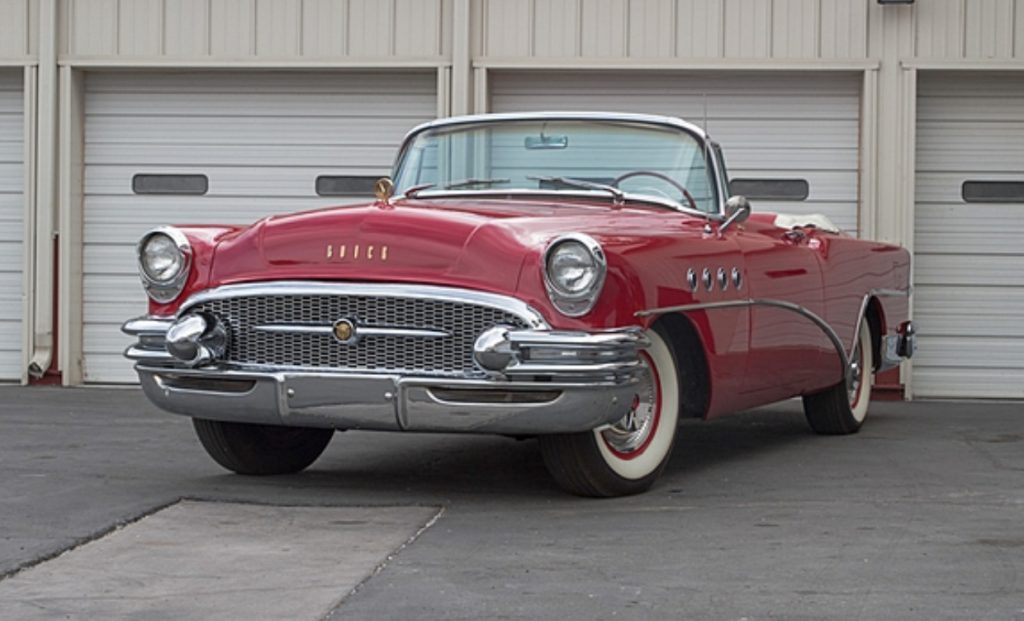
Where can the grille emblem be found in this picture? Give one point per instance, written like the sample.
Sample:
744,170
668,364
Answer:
344,331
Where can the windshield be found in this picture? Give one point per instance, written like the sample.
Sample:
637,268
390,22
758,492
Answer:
594,156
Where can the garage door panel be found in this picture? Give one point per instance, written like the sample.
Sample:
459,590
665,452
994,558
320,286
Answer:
979,271
970,147
793,158
951,311
260,139
976,229
12,211
841,214
225,181
201,131
947,187
968,256
822,186
956,108
265,83
976,352
967,383
151,154
267,105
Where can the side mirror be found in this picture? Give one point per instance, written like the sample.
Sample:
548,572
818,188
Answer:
737,209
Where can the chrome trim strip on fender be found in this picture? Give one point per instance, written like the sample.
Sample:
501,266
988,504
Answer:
862,313
844,356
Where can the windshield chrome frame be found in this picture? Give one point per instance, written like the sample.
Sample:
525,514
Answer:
696,132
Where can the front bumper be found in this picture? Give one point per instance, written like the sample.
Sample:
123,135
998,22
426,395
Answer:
553,382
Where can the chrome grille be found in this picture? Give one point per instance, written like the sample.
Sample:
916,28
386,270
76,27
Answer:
450,355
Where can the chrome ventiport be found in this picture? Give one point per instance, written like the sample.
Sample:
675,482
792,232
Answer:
197,339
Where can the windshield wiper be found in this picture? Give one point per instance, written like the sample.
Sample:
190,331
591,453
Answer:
616,193
465,183
416,189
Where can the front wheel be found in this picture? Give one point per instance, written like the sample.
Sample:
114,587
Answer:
261,449
842,408
628,456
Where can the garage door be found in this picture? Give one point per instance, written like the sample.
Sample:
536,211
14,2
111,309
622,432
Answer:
790,140
12,210
969,236
209,148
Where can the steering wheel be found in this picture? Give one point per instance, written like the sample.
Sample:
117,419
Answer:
657,175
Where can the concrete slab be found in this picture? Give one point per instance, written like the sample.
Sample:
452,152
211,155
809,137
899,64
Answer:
213,560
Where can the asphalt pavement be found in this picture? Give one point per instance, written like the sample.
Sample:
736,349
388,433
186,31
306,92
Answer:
919,516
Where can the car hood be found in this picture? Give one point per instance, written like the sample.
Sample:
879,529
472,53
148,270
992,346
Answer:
461,243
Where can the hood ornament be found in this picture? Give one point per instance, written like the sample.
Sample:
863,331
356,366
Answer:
383,189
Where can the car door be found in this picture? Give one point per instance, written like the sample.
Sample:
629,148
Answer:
788,353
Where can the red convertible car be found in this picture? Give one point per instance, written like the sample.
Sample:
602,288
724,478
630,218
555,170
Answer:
581,278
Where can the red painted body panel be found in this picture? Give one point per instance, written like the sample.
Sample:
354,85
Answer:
755,356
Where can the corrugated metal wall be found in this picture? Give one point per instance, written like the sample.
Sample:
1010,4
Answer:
12,230
246,29
969,270
233,30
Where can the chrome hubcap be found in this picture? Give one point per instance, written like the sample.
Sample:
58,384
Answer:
632,432
856,375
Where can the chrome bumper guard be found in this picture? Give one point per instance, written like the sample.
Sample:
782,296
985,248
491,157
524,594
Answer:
898,347
540,382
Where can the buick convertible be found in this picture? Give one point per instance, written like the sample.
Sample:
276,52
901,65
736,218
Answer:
583,279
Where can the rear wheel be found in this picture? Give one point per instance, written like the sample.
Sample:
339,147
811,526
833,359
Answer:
261,449
842,408
626,457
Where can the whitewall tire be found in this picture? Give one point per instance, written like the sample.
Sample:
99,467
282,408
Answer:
628,456
843,408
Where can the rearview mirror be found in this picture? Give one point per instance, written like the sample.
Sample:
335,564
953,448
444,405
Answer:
546,142
737,209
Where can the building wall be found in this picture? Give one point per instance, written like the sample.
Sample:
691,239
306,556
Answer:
57,42
238,30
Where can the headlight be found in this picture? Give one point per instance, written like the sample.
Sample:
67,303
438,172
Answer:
164,260
574,271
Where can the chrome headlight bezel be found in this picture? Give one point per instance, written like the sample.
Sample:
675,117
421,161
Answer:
579,303
168,289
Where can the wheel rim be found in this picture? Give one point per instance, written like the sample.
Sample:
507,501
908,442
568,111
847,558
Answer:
856,376
632,434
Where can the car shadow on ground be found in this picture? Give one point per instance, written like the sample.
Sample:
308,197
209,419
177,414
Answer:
426,468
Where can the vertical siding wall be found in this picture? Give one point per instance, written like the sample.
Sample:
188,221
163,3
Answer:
239,30
743,29
19,23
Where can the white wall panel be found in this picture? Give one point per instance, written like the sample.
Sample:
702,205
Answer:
12,210
770,126
261,139
969,259
17,28
231,30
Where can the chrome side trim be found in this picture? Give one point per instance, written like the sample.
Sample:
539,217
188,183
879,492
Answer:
306,287
833,336
844,357
360,331
862,313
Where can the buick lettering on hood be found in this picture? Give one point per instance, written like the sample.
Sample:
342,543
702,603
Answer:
584,279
